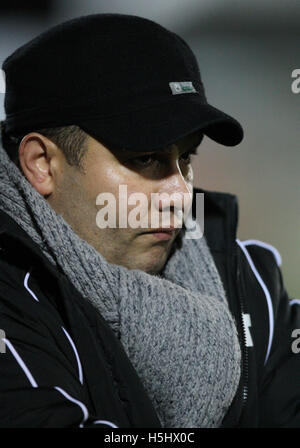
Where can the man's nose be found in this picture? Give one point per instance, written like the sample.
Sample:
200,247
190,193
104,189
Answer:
175,195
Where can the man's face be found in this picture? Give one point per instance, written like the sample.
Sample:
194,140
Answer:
168,171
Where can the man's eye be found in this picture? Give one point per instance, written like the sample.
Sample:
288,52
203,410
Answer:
149,159
145,160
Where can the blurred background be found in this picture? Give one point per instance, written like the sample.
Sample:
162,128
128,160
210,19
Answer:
246,51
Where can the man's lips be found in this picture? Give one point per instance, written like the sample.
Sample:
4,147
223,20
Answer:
170,229
163,229
163,233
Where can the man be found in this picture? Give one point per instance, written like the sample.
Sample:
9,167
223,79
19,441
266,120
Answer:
123,325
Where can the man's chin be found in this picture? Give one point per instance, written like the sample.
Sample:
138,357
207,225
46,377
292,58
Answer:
154,263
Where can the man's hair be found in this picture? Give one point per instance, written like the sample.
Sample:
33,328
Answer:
71,140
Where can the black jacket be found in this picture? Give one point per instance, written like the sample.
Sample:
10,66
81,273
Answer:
61,365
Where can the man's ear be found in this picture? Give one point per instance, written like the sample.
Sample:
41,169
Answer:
41,162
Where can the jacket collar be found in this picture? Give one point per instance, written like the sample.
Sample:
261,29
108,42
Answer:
220,218
18,244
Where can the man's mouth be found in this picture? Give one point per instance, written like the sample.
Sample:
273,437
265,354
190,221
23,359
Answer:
164,233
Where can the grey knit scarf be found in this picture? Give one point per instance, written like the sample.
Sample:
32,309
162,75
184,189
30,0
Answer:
175,327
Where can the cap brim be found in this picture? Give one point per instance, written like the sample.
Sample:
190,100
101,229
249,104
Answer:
155,127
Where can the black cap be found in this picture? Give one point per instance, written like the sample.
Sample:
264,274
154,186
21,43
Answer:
125,80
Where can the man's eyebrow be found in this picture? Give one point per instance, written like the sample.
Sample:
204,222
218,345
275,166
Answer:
193,149
128,152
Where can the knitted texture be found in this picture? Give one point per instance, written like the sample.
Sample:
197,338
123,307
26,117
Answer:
175,327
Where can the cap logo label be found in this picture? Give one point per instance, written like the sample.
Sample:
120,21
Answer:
178,88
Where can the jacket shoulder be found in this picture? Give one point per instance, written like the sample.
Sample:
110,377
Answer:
261,250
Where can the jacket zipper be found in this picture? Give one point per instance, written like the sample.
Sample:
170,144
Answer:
245,362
